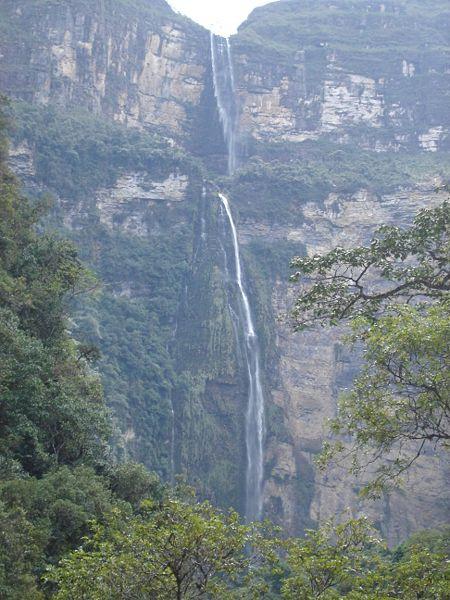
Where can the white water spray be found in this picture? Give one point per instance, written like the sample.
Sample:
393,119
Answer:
223,74
254,433
224,90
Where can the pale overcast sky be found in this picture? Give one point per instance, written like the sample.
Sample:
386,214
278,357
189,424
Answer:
222,16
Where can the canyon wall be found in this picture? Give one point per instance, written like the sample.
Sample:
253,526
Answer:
116,118
365,72
137,63
313,367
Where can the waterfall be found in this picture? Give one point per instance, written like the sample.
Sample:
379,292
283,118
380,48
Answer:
254,426
172,447
223,75
224,90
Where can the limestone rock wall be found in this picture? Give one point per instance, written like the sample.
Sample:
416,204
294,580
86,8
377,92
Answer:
314,367
279,106
143,69
350,71
128,204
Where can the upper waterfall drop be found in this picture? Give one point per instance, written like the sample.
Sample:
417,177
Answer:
224,90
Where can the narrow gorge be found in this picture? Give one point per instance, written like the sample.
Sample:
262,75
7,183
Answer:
189,169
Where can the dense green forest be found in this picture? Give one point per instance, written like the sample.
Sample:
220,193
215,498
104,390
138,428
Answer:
76,524
76,154
152,296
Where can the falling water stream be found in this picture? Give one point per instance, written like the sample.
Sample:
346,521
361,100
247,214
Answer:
224,89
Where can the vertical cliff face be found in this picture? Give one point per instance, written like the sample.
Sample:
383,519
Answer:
311,369
116,117
341,134
359,71
135,62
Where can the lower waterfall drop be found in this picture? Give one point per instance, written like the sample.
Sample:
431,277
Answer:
254,430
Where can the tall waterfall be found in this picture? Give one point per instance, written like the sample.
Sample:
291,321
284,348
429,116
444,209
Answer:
254,426
223,74
254,432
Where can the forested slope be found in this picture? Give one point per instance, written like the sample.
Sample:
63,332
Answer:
114,115
73,524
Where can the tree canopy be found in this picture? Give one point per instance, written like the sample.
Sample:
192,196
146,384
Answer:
56,475
394,292
398,266
52,408
191,551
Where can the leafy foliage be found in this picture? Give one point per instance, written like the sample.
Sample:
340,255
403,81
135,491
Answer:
398,266
176,550
180,550
55,474
77,152
51,409
19,555
131,316
349,561
396,291
279,30
133,483
327,558
60,505
281,178
402,394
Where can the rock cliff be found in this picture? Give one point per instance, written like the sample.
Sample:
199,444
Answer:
314,366
116,117
134,62
350,70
